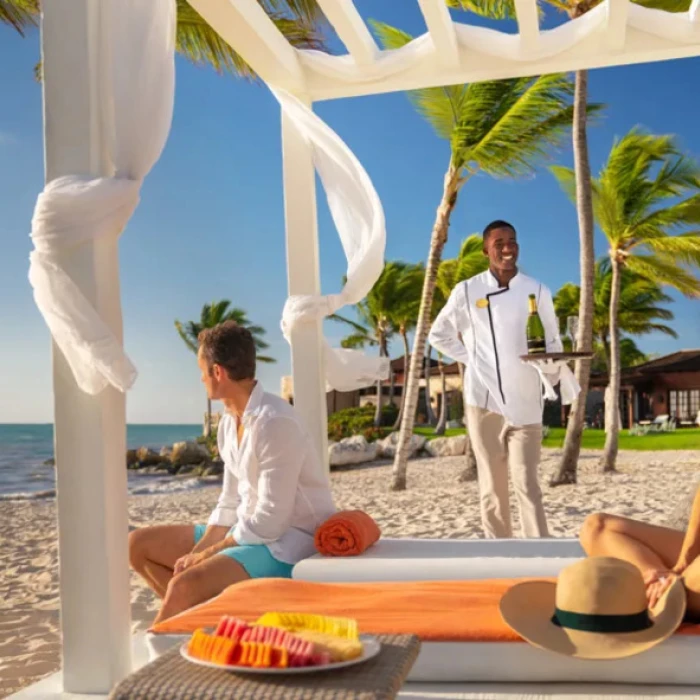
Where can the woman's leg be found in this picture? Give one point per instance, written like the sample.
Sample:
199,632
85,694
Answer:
691,579
646,546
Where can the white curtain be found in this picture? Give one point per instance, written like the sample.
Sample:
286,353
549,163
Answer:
678,26
136,78
359,218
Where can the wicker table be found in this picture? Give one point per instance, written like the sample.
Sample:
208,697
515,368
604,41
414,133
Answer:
171,677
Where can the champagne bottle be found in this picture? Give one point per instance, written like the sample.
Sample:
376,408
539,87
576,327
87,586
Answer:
536,344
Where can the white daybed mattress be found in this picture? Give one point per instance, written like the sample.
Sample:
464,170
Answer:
675,662
442,560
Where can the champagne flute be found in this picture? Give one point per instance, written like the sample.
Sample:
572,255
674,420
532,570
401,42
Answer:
572,328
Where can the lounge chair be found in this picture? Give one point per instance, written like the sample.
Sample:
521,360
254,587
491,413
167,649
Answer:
673,662
660,423
470,661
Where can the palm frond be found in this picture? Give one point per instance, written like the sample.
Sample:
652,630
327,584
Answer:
218,312
494,9
19,14
684,248
264,358
507,126
667,272
679,215
357,340
666,5
306,10
359,328
566,177
186,337
440,106
202,45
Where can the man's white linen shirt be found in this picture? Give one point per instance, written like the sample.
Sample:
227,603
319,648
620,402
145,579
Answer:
275,490
492,322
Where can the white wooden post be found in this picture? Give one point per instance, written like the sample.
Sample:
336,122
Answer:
303,277
90,431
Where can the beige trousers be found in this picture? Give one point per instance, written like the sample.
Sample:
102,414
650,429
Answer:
498,446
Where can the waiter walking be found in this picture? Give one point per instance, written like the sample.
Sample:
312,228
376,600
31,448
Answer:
504,397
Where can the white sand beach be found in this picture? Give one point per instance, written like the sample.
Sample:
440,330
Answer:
648,485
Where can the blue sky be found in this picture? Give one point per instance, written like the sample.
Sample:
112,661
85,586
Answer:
210,224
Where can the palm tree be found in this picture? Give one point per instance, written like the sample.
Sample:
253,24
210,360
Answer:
639,313
470,261
212,315
377,322
584,208
645,193
405,317
298,20
499,128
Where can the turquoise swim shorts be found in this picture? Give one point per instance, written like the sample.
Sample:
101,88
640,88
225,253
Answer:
254,558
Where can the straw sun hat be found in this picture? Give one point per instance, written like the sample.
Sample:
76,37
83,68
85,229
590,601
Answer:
597,609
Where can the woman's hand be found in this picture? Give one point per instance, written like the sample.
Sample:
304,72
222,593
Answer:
658,581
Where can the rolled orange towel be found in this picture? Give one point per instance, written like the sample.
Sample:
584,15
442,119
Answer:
346,534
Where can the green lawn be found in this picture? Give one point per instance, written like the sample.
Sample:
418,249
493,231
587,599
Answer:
681,439
430,432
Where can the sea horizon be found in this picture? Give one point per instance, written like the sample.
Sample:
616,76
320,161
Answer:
27,448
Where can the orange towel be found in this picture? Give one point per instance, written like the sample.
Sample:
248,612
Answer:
434,610
437,611
346,534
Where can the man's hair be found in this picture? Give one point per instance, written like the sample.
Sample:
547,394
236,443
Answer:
496,225
232,347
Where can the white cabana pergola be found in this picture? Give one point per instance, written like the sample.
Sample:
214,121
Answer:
108,94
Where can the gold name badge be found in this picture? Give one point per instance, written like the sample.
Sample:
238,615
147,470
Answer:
482,303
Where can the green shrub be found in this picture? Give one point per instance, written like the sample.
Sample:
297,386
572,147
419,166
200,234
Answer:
210,443
359,421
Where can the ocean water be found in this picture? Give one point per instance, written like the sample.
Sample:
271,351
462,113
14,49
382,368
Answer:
25,448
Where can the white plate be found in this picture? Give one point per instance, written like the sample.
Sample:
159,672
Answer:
370,648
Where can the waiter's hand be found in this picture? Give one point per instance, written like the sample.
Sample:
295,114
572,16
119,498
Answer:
547,366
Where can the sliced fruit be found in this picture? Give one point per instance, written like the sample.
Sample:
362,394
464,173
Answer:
293,622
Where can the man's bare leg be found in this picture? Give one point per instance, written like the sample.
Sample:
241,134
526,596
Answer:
199,583
154,550
648,547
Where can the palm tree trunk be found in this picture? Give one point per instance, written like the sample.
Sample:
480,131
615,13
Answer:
611,437
607,420
406,360
437,243
584,207
429,413
469,473
378,409
606,351
392,386
442,423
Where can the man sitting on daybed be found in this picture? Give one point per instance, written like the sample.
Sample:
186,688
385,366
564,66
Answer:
275,490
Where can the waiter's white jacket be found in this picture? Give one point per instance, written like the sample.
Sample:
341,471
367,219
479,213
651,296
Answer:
492,322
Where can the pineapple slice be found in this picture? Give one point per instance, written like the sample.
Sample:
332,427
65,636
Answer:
343,627
337,648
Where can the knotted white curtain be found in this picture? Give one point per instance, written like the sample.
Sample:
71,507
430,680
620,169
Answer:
136,78
359,219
